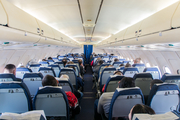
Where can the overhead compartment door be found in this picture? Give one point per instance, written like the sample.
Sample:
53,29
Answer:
176,18
3,20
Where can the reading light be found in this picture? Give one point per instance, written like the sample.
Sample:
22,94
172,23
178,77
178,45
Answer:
137,39
160,33
25,34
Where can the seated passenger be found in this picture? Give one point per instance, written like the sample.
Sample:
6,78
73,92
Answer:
11,68
49,80
81,67
96,68
139,108
137,60
155,81
70,62
105,98
64,61
116,60
128,65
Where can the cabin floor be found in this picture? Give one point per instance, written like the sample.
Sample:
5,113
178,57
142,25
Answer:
87,102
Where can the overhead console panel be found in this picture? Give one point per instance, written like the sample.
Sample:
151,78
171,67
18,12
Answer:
3,20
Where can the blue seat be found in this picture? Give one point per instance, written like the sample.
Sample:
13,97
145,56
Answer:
15,97
5,77
106,58
70,58
126,61
105,75
61,65
55,59
143,80
33,81
21,71
112,83
154,71
52,97
140,67
123,100
60,57
77,63
56,69
34,67
169,78
130,71
46,71
164,98
65,84
121,69
72,76
76,68
44,63
117,64
101,68
121,60
50,62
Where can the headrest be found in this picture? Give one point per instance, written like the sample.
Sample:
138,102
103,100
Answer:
74,65
30,75
115,77
23,69
35,65
58,62
142,75
135,65
67,69
151,69
109,69
62,79
8,75
118,62
45,68
170,77
126,61
50,60
165,86
130,69
43,62
53,65
105,64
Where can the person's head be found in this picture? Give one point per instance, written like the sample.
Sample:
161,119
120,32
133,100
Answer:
100,62
118,73
44,60
137,60
116,60
49,58
121,65
128,65
126,82
72,68
110,66
80,61
155,81
10,68
49,80
140,108
70,62
64,61
64,76
99,58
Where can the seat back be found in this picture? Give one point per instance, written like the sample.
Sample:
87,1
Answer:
44,63
60,57
55,59
46,71
21,71
164,98
50,62
101,68
169,78
105,75
77,63
130,71
6,77
95,58
76,68
123,100
154,71
112,83
33,81
71,73
140,67
61,65
70,58
34,67
65,84
121,60
143,80
126,61
14,97
117,64
120,68
56,69
52,97
106,58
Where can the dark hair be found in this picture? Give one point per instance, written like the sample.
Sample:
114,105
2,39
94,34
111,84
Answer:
64,61
121,65
126,82
128,65
116,60
80,61
100,62
118,73
140,108
10,66
49,80
72,68
70,62
155,81
49,58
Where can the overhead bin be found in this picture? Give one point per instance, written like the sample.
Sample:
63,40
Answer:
19,19
159,21
120,35
3,20
45,30
133,31
176,18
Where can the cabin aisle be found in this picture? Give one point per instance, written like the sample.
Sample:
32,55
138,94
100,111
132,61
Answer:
87,102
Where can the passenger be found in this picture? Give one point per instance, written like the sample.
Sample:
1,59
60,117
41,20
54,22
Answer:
49,80
64,60
116,60
97,61
128,65
70,62
11,68
44,60
155,81
50,58
82,71
104,101
78,94
121,65
140,108
96,68
137,60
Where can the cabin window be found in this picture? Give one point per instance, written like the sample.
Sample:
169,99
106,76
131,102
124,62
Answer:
167,70
148,65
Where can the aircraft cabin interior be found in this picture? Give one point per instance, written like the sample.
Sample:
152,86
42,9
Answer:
90,59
